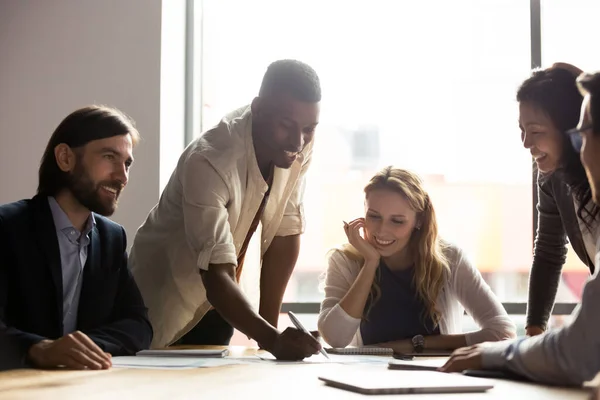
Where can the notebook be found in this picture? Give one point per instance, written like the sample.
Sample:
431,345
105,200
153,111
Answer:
403,382
366,351
184,353
418,365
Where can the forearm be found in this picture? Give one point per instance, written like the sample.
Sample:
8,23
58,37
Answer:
549,255
23,340
129,329
542,359
277,267
543,284
11,355
225,296
15,345
353,302
564,356
445,342
432,342
123,337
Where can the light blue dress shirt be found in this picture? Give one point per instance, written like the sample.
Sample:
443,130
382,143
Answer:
73,256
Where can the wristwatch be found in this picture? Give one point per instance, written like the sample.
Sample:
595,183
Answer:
418,342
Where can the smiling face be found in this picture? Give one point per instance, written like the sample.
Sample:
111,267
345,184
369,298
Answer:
389,221
101,172
283,126
541,137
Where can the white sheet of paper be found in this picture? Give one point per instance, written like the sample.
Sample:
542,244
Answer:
183,353
333,358
162,362
178,362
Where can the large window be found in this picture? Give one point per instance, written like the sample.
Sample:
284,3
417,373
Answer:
428,86
570,33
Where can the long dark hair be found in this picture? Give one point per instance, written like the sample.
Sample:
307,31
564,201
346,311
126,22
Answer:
590,84
76,130
555,92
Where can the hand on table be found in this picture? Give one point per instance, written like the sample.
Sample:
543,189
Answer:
75,351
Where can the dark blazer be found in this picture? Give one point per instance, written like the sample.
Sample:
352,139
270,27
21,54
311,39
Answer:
557,222
111,310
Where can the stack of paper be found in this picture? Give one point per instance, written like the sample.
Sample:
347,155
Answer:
175,359
184,353
160,362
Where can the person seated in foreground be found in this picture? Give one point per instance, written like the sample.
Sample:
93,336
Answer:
67,298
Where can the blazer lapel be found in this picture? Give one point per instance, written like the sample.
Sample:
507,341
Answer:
48,242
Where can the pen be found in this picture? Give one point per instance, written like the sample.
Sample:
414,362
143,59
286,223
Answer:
298,325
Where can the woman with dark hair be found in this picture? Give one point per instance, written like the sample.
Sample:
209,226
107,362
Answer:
566,356
549,105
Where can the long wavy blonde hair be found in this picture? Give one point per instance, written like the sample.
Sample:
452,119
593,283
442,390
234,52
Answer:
426,248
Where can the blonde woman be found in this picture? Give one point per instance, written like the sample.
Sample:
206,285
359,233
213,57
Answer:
398,284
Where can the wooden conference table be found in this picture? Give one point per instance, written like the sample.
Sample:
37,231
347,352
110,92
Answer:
255,381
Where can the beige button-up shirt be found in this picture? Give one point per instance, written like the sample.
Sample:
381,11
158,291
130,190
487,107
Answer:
203,217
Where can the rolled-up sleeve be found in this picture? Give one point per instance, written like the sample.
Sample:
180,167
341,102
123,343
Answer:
205,199
293,221
480,302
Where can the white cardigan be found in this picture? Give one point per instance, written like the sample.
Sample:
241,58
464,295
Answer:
464,288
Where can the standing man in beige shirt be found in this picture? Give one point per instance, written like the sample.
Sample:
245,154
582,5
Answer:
188,255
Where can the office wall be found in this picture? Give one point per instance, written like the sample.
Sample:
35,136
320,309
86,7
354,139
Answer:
56,56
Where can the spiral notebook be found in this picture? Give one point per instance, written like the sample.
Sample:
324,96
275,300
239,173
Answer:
363,351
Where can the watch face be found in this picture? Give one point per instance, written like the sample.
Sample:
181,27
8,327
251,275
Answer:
418,340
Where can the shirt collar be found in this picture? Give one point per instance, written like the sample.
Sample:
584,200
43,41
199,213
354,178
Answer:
62,221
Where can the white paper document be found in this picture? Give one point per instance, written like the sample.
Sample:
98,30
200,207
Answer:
263,357
184,353
162,362
333,358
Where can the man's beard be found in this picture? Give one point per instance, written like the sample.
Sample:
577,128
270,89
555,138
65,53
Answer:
86,191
